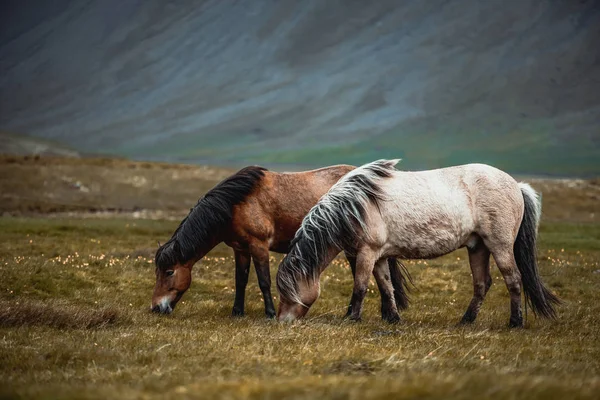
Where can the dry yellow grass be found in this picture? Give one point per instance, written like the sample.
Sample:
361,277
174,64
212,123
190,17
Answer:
75,293
61,278
55,314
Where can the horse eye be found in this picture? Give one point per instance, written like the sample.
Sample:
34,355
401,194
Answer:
170,272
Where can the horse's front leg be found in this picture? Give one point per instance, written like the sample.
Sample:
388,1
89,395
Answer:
389,310
242,268
352,261
386,298
365,262
260,255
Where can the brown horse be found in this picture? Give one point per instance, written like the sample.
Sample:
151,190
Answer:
253,211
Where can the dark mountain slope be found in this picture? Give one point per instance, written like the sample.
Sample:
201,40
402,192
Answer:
515,83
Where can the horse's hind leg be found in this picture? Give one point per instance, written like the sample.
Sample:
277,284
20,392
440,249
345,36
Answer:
242,268
479,260
260,255
507,265
389,311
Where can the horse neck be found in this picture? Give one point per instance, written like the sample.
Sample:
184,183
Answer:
204,249
328,257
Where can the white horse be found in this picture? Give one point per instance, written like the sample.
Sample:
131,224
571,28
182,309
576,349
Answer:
378,212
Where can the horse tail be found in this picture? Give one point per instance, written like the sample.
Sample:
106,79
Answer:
400,278
542,301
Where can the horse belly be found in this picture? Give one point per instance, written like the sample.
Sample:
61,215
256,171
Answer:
427,246
428,229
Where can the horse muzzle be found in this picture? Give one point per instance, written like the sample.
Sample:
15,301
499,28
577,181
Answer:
290,313
165,306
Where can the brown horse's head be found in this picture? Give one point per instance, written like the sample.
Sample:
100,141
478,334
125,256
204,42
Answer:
173,277
206,225
171,284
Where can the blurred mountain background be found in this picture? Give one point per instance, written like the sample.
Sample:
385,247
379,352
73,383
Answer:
309,83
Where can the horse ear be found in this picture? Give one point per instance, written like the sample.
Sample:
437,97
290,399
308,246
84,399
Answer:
159,245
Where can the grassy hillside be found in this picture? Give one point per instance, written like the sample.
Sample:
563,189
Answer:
41,185
56,184
530,148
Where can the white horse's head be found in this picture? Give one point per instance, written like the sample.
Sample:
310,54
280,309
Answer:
297,291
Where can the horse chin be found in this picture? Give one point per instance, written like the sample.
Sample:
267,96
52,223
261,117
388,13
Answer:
291,312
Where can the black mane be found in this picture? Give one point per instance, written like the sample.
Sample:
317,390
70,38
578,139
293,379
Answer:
209,217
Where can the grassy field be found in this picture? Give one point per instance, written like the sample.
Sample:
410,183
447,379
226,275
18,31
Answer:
75,321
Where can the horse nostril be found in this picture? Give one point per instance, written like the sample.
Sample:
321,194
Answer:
156,309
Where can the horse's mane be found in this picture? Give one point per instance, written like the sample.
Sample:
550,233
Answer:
335,220
208,218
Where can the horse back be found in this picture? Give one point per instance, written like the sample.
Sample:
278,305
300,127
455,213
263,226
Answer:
434,212
273,212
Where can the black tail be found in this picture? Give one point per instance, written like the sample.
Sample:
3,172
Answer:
400,279
542,301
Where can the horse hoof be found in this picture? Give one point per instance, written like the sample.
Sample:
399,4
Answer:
270,314
516,324
390,317
237,313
